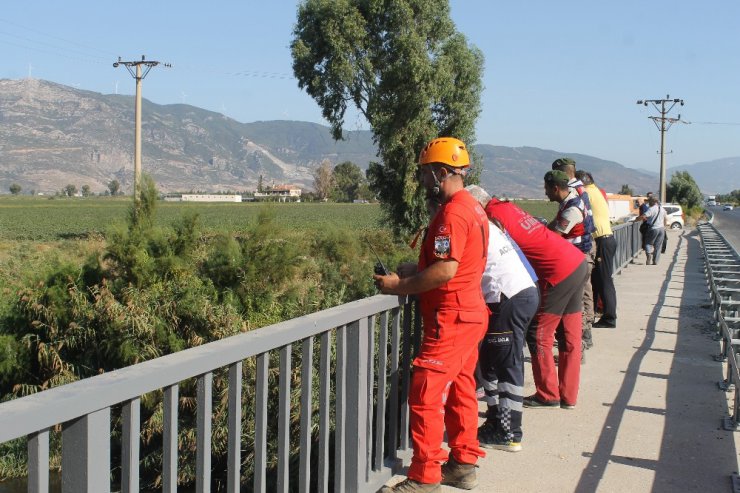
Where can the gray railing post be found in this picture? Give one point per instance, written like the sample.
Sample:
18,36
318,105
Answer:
131,417
86,454
204,421
355,451
38,462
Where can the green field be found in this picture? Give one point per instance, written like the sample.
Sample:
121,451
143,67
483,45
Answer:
39,219
45,219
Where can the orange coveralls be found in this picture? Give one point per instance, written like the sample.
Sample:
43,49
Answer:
455,319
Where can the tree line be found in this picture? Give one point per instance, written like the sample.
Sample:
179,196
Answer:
344,182
70,190
732,197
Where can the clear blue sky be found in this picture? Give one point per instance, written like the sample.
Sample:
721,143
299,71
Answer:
558,75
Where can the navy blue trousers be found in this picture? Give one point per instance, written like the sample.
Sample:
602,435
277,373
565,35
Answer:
501,360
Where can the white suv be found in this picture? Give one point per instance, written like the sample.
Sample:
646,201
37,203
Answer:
674,216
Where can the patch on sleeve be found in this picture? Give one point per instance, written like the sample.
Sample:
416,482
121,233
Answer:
442,246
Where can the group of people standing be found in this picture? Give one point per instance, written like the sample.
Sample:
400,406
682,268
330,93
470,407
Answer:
491,277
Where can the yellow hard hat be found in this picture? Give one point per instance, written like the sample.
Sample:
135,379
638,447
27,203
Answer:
445,150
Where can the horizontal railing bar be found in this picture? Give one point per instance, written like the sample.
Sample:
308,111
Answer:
32,413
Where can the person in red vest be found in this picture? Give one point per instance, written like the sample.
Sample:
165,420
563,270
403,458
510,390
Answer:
561,269
455,317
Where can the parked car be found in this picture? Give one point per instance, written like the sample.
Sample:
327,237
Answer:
728,207
675,218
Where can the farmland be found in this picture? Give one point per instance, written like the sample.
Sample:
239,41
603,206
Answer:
41,219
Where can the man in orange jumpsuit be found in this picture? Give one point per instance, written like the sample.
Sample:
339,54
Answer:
455,317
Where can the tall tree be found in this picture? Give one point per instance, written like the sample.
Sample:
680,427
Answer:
15,189
348,178
114,187
86,192
683,190
406,69
323,179
626,190
70,190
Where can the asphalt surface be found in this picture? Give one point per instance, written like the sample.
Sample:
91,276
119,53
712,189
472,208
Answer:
728,223
649,414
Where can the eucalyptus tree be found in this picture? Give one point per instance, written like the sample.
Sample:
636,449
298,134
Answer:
406,69
683,190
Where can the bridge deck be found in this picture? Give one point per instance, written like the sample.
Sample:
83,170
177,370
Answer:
649,412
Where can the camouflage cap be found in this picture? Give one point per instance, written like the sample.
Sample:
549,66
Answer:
560,162
557,177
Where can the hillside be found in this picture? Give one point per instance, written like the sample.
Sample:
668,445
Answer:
713,177
53,135
519,171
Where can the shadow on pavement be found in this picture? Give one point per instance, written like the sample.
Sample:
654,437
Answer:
695,453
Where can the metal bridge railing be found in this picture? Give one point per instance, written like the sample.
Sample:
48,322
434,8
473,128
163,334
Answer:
365,347
722,267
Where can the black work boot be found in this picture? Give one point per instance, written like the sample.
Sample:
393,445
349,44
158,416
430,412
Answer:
458,475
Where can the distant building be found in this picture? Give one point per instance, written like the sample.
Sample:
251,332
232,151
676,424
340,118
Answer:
622,206
203,197
282,193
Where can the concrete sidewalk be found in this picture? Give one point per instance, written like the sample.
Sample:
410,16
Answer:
649,413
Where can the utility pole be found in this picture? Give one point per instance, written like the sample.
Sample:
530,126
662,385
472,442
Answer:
135,69
663,123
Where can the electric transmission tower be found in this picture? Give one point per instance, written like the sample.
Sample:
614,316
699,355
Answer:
138,70
663,123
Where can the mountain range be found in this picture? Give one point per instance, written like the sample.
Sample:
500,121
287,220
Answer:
52,135
719,176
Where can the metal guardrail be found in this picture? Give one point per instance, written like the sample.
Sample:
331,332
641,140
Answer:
722,267
372,343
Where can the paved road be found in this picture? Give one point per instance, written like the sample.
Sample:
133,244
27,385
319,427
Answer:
728,222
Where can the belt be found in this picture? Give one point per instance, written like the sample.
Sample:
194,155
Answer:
603,236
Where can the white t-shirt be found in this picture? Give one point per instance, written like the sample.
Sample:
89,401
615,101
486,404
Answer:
505,273
655,217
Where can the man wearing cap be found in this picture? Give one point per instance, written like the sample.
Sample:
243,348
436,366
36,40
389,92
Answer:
606,249
561,270
572,223
455,317
568,166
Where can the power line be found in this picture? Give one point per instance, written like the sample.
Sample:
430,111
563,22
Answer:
711,123
59,38
56,53
92,55
45,45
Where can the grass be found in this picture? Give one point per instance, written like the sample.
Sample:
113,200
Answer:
41,219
